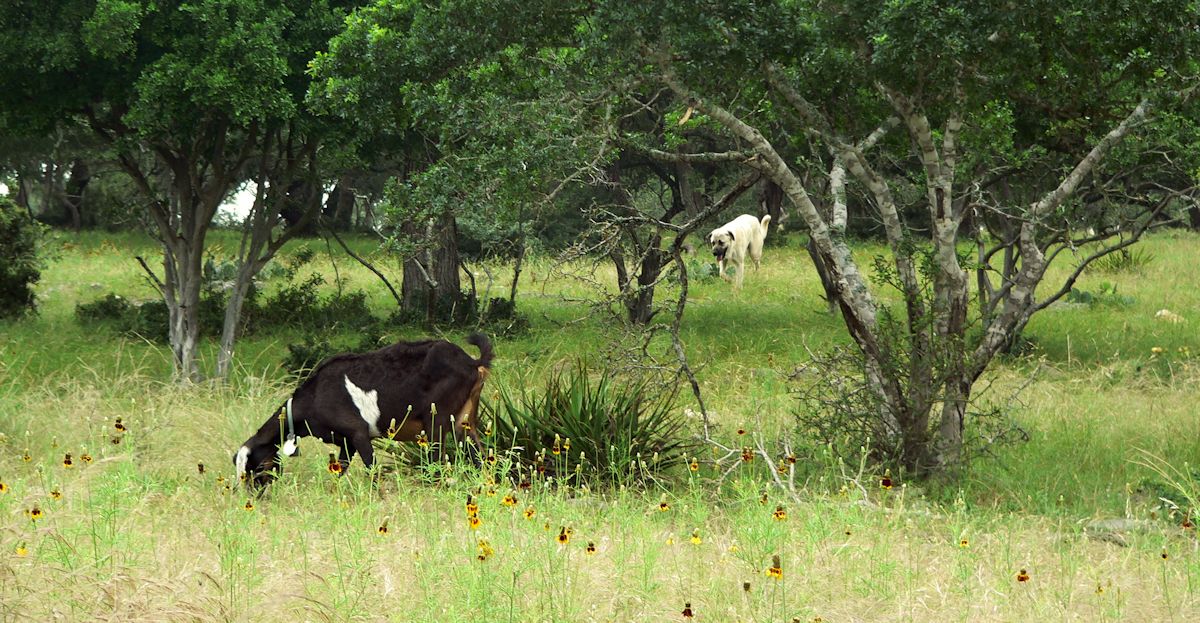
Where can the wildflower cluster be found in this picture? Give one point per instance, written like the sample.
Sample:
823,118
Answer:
485,550
119,430
473,520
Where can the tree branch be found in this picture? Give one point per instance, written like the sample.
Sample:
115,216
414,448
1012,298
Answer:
368,265
1055,198
740,157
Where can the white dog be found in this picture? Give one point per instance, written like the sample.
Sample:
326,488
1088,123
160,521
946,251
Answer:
734,239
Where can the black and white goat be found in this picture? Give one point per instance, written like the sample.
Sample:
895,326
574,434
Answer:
406,391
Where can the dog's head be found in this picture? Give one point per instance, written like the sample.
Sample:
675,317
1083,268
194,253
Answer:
720,240
257,465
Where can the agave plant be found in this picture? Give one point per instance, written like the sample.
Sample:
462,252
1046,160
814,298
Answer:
604,428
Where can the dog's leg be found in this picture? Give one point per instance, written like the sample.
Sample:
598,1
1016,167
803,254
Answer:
721,269
739,273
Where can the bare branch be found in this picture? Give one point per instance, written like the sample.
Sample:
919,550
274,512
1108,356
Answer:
1069,283
740,157
153,277
367,265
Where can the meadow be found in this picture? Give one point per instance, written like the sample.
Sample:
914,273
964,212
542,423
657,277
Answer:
146,525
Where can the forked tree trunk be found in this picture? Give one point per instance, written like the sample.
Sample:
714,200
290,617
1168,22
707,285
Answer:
258,247
936,363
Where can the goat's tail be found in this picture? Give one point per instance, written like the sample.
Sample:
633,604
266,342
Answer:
486,354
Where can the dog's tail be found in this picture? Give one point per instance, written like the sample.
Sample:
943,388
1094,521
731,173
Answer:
486,354
766,220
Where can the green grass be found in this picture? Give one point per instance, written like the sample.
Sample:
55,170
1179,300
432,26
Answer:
140,534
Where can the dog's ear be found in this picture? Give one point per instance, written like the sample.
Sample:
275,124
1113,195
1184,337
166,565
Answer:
731,235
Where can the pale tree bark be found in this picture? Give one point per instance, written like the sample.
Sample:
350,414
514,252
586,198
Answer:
951,284
1016,297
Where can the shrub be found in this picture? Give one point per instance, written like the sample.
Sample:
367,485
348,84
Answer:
698,270
111,308
295,304
1106,295
839,412
304,356
502,318
149,319
609,429
19,263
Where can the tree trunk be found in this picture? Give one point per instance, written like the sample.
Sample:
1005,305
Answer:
23,193
640,302
73,193
770,201
257,247
516,278
183,268
827,283
303,198
233,317
339,207
431,282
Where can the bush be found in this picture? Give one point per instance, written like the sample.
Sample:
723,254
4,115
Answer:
19,263
304,356
447,311
149,319
607,430
502,318
839,413
295,304
698,271
1106,296
111,308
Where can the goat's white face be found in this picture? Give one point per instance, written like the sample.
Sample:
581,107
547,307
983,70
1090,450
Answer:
720,240
258,466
